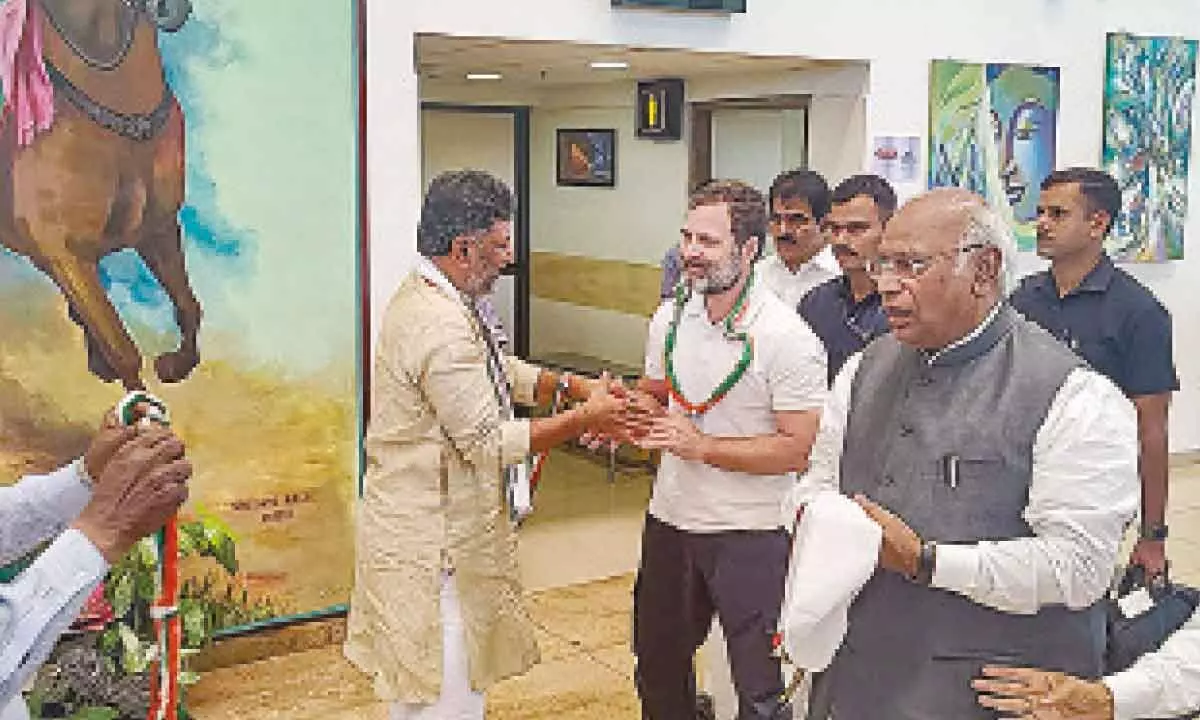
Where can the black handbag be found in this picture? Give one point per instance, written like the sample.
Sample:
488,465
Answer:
1131,638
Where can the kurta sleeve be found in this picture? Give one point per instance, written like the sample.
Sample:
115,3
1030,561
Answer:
523,378
456,383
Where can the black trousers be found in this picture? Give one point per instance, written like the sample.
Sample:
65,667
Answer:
683,580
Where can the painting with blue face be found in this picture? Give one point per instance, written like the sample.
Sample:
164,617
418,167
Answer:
1025,102
992,130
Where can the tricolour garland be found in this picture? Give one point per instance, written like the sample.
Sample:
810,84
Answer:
164,680
731,333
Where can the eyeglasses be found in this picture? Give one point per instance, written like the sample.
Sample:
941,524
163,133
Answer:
910,267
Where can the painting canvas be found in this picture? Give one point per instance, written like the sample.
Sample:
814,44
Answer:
992,130
896,158
587,157
1148,88
180,213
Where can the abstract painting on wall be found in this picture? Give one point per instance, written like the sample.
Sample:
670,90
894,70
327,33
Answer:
992,130
1148,87
180,212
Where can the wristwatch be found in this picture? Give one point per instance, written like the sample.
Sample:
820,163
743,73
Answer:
1156,532
926,563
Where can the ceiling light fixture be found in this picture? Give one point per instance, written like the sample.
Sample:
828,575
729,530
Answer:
609,65
484,76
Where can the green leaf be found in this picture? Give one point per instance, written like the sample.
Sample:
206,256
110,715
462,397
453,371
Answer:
120,592
110,641
135,656
225,553
195,627
189,678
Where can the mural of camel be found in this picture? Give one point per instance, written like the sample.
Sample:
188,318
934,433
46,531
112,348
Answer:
107,175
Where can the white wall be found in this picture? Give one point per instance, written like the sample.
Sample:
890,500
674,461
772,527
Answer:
897,38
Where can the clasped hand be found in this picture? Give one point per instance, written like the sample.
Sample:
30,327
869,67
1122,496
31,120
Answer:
639,419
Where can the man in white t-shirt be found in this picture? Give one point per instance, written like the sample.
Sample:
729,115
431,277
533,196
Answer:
799,201
744,379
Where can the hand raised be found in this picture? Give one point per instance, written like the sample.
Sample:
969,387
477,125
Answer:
142,485
641,411
673,432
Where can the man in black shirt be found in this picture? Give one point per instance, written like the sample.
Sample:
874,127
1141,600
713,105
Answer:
845,312
1109,319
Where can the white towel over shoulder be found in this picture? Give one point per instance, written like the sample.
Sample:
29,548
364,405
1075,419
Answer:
836,551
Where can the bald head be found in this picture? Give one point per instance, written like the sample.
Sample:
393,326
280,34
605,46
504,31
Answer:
949,250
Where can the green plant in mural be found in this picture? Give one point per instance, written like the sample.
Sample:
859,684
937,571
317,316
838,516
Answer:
100,672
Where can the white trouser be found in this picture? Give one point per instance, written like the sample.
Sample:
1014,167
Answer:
458,701
16,710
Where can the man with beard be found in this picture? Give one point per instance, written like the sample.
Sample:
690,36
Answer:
437,613
799,201
845,312
744,379
1112,321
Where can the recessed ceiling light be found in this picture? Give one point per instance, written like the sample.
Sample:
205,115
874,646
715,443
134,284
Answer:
483,76
609,65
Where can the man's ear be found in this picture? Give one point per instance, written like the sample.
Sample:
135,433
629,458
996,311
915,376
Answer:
459,248
988,267
752,248
1101,221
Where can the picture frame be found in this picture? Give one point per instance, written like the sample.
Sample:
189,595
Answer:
586,157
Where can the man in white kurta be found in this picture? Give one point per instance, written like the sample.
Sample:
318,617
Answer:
437,614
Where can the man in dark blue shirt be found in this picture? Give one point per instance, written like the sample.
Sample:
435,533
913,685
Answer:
845,312
1109,319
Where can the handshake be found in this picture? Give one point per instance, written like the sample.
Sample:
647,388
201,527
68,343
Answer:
615,415
139,480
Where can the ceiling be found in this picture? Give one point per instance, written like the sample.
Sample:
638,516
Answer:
539,63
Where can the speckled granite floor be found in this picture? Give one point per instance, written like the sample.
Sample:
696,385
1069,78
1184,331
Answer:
586,671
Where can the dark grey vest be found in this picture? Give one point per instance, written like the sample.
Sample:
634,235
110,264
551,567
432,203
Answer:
912,651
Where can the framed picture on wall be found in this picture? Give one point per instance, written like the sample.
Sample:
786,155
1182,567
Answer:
587,158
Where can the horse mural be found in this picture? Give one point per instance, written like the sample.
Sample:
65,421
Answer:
92,145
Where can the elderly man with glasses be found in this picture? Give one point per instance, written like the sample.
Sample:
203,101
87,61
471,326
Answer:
1001,469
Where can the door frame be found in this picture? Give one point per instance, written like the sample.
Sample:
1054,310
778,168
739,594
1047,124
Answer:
521,146
700,139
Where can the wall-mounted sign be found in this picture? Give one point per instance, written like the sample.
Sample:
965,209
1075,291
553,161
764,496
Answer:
729,6
660,109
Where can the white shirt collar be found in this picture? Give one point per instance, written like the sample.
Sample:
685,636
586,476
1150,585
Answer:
433,274
991,317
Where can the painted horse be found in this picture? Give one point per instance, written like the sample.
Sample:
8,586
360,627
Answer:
106,174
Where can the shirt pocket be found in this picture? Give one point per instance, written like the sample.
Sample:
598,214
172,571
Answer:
978,494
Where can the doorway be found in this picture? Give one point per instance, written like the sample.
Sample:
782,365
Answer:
749,139
496,139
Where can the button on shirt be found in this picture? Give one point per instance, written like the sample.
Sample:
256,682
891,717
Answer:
1083,491
844,325
1111,321
787,373
791,287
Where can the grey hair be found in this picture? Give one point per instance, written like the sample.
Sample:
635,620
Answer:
988,228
